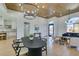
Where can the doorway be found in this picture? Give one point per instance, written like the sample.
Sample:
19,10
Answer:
26,29
51,30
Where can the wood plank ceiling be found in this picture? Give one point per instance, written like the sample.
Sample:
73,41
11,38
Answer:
46,10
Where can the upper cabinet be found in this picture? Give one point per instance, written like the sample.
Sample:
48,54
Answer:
7,24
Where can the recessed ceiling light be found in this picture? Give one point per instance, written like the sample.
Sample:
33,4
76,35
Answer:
19,4
38,6
43,6
28,11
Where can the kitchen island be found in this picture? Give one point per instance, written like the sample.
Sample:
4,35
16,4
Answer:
74,38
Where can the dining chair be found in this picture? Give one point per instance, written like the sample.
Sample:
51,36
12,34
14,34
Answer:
37,35
66,41
17,46
45,47
57,39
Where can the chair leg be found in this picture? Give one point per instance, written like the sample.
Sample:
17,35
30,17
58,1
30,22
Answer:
68,42
18,51
46,50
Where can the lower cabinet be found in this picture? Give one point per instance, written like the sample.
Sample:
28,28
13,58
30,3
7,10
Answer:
3,36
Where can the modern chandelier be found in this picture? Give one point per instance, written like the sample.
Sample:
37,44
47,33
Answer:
32,10
31,13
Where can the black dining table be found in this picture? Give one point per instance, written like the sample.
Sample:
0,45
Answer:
34,46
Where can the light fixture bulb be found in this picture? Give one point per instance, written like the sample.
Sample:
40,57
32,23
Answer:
28,11
43,6
32,12
38,6
19,4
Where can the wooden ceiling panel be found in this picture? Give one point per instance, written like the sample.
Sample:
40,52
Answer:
43,13
60,9
13,6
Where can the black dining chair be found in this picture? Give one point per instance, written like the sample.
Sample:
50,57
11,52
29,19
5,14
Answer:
17,46
37,35
45,47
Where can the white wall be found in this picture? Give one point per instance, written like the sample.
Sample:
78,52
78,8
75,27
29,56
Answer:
19,24
1,24
20,28
1,21
2,9
59,23
41,22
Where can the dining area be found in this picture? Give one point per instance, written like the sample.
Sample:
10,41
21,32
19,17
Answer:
34,45
38,36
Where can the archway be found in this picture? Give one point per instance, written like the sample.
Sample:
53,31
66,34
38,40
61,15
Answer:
73,25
